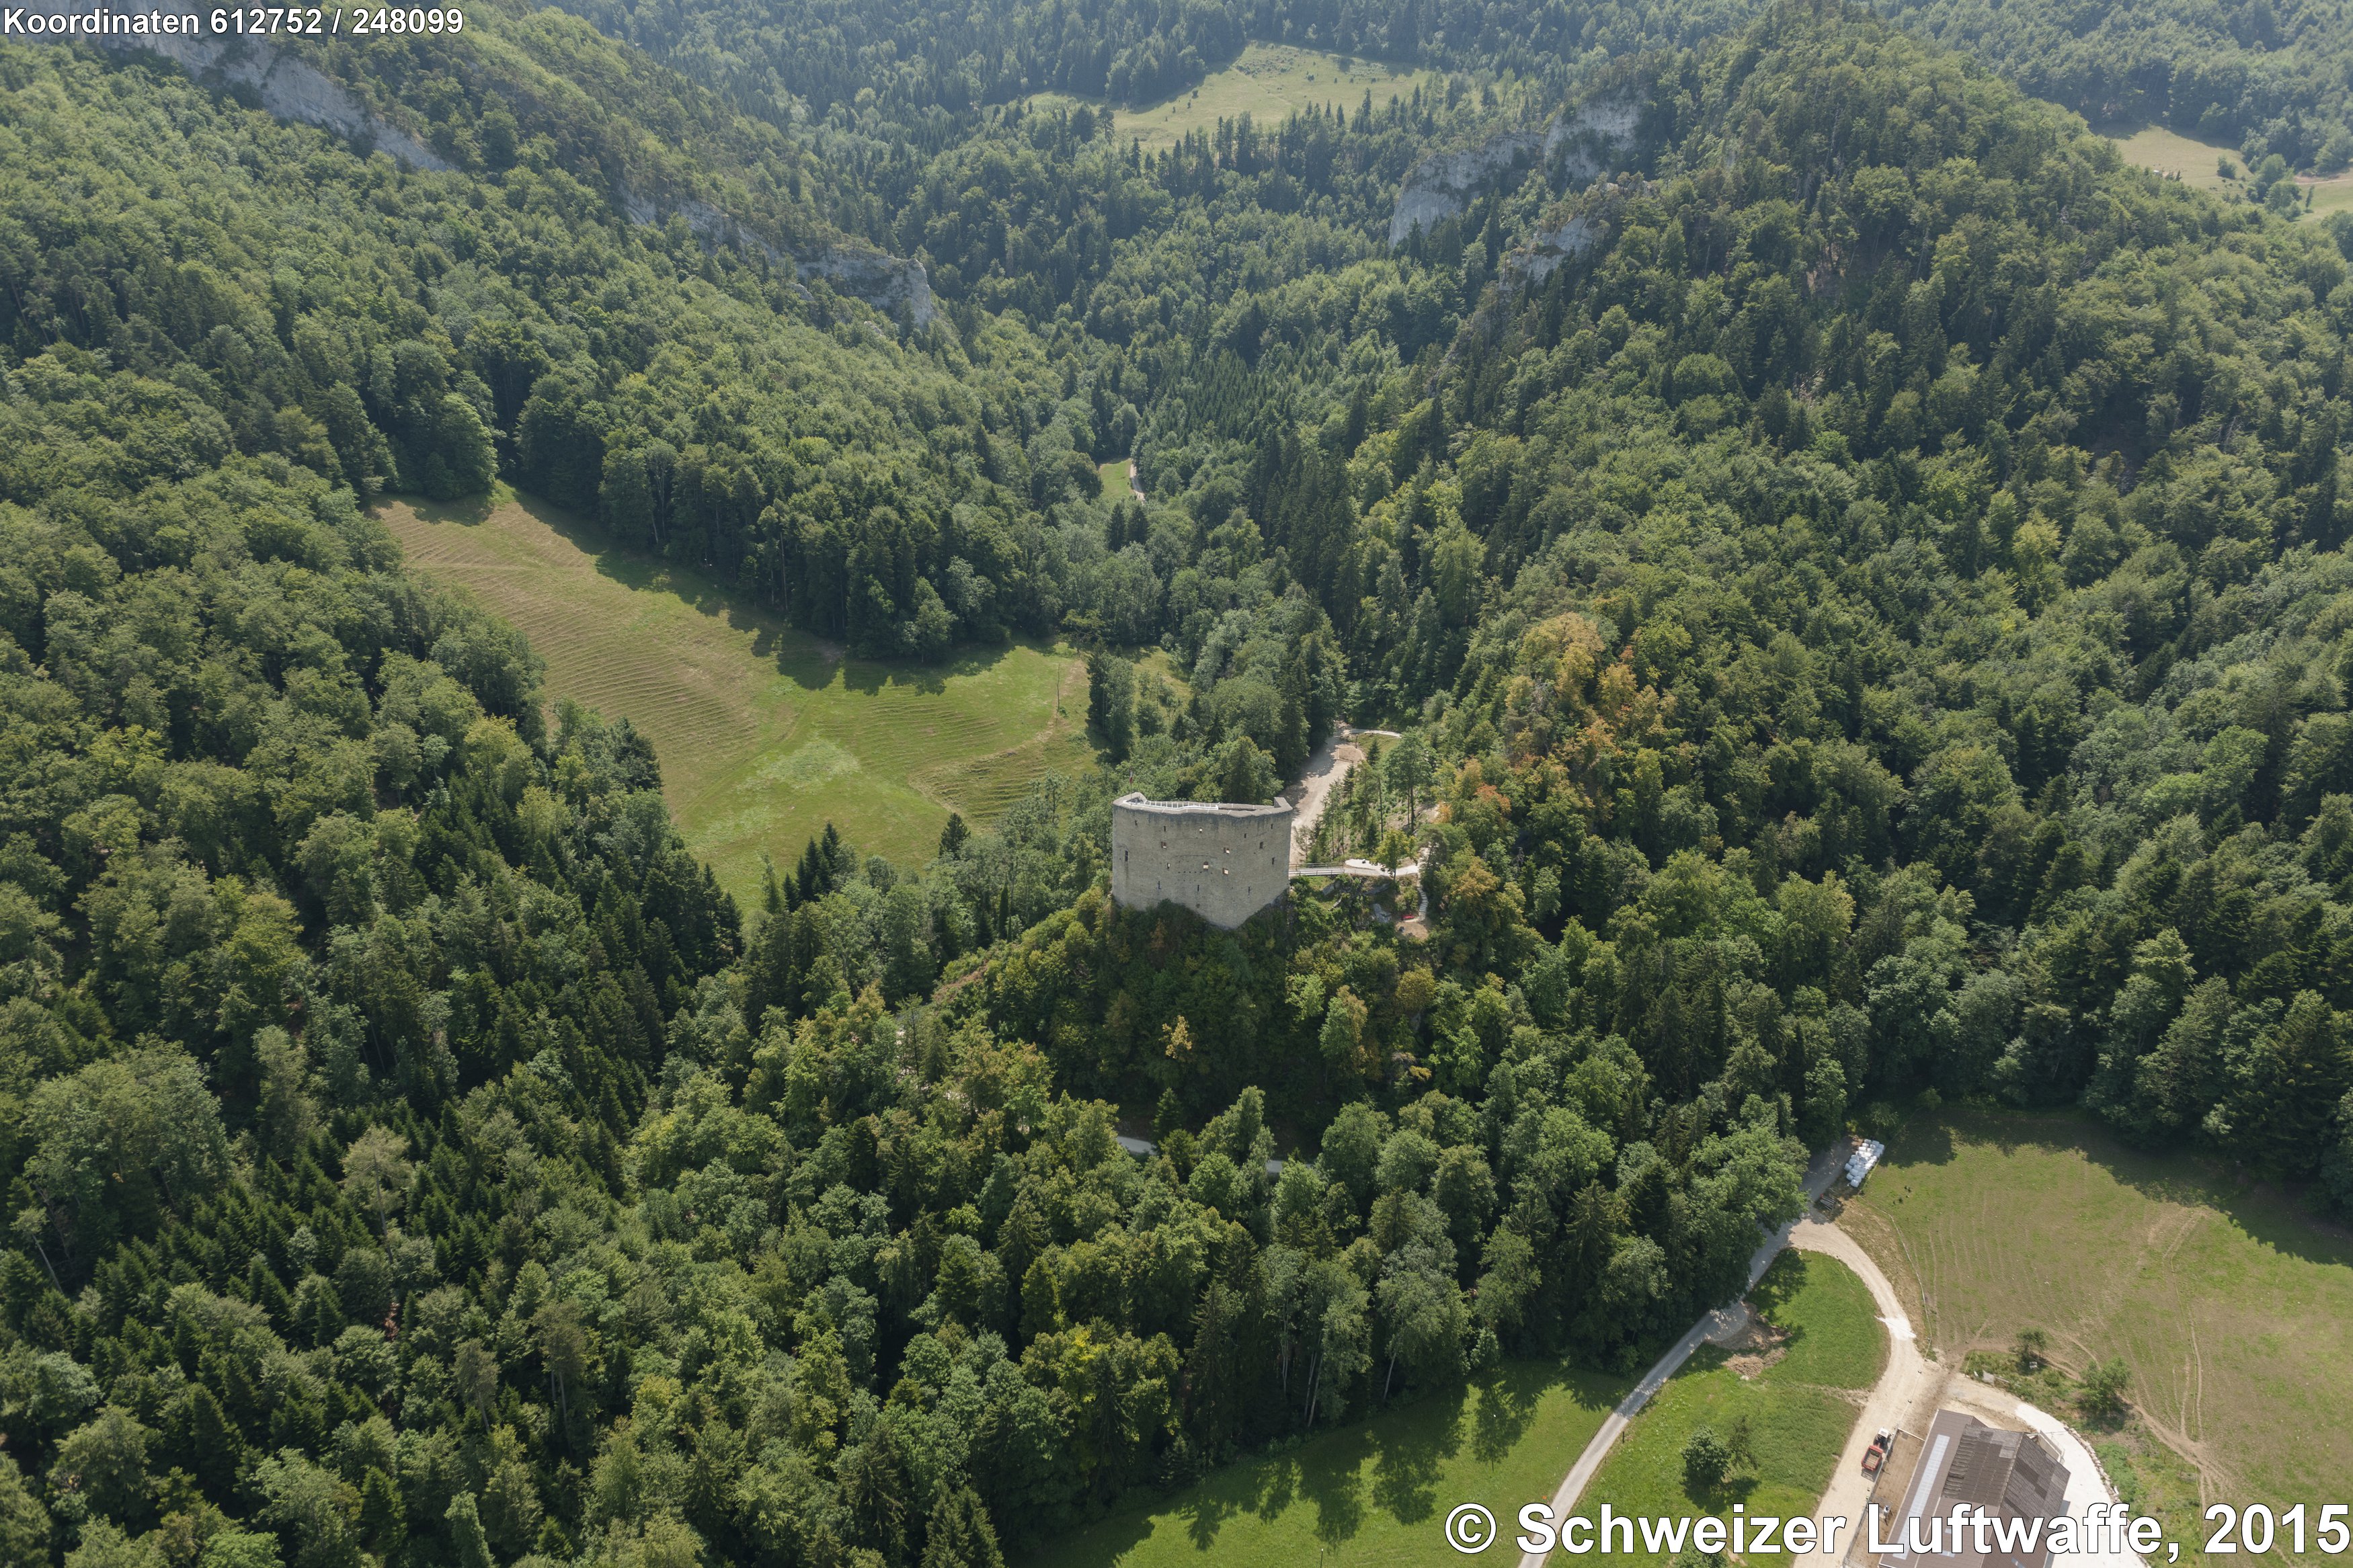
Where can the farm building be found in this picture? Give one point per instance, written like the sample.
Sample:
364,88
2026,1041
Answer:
2014,1477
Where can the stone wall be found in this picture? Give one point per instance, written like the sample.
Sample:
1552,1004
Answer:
1225,863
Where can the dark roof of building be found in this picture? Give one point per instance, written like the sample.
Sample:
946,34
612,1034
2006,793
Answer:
2002,1472
1965,1462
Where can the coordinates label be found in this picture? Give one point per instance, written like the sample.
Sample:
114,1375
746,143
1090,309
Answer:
293,21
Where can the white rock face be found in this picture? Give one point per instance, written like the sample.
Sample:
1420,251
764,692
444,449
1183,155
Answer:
885,282
1442,186
1551,246
285,86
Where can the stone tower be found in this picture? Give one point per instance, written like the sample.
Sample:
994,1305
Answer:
1225,863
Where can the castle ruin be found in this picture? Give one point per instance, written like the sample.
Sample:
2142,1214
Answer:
1225,863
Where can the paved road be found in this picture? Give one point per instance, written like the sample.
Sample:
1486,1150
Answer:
1909,1391
1564,1501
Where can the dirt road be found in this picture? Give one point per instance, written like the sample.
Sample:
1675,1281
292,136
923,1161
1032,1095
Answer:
1907,1398
1325,773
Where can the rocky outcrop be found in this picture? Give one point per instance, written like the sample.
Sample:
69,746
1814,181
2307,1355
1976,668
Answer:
1579,144
291,88
279,83
1552,245
888,283
1442,184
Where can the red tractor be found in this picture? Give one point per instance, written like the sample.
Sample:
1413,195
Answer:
1877,1455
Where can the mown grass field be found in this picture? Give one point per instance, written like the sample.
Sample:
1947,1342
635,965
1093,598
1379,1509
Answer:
764,734
1798,1408
2234,1307
2332,194
2170,152
1267,82
1375,1494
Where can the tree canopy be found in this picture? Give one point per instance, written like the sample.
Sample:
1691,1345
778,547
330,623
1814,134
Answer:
1858,583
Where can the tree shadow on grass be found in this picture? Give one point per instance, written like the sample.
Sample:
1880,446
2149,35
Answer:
1336,1491
1407,1454
1773,1294
1391,1465
1106,1541
810,662
466,511
2279,1218
1507,1403
869,676
1265,1489
1326,1474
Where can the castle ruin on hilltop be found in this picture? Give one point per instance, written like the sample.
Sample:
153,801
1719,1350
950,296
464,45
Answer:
1225,863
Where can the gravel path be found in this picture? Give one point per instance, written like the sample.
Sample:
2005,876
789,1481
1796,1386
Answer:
1906,1397
1325,773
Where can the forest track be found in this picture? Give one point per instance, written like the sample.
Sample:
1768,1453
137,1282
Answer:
1319,780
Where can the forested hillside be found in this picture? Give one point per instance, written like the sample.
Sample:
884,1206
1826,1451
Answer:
1862,582
419,331
2266,77
2263,77
921,68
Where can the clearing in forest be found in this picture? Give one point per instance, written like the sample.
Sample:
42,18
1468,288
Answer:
1269,82
1374,1494
2171,153
2334,194
2233,1307
1792,1385
764,734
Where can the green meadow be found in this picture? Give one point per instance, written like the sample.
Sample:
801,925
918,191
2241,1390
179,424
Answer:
2231,1306
764,734
1374,1494
1269,82
1797,1406
2170,152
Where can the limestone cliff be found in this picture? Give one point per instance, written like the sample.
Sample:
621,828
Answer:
1577,145
281,84
288,88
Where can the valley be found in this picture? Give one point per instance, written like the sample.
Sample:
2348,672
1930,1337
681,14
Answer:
765,733
1269,82
569,993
